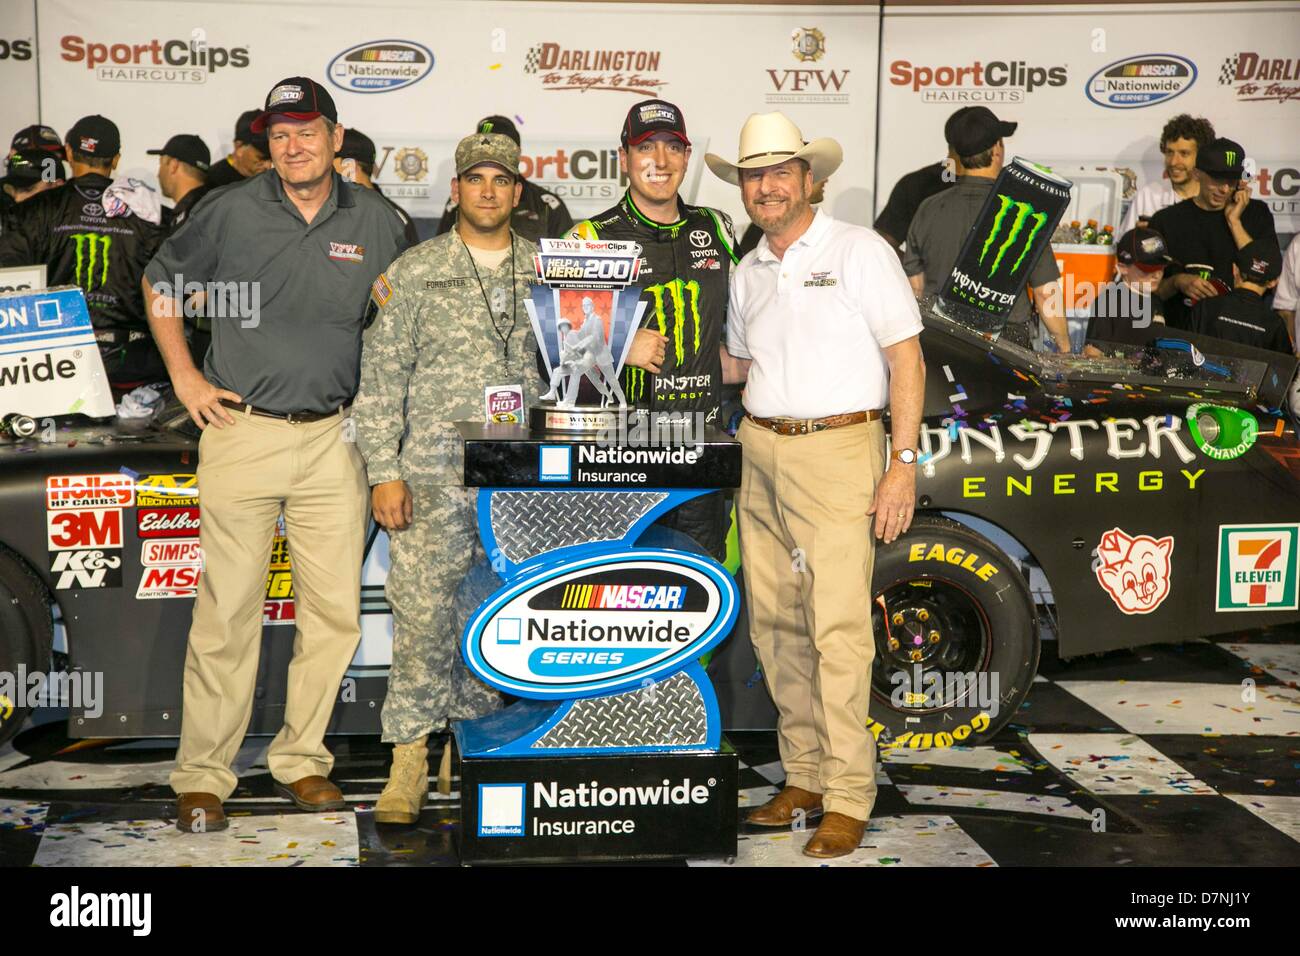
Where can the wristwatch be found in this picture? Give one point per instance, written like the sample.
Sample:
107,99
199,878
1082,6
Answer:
906,455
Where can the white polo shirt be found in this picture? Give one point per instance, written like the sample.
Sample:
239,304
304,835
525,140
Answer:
816,321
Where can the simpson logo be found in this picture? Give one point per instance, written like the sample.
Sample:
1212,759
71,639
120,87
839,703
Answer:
380,66
1257,568
1141,81
167,522
86,569
156,491
179,553
71,530
601,624
89,491
347,252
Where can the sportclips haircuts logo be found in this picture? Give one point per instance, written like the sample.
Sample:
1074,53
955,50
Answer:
154,61
995,82
1257,77
600,625
380,66
578,70
1141,81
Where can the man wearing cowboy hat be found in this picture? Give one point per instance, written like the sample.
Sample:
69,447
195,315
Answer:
823,323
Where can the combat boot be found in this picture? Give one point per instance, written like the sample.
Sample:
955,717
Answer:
408,784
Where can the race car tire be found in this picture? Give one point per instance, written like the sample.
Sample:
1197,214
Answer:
26,636
956,638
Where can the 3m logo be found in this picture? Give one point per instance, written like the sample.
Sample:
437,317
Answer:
685,299
1020,213
92,259
1257,567
69,530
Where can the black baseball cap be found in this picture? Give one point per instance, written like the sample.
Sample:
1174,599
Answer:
1222,159
1144,248
244,131
95,136
26,166
973,129
653,116
498,124
186,148
358,146
1259,261
37,137
297,97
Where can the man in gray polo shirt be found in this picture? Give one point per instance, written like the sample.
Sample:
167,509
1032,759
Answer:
286,260
941,223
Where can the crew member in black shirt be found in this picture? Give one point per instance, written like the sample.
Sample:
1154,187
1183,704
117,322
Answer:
909,192
359,149
1207,230
1242,315
1124,310
250,156
183,166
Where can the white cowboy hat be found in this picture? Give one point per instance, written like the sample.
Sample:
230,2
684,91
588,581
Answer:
767,139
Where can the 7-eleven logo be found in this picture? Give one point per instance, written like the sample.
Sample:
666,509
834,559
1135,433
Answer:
1257,567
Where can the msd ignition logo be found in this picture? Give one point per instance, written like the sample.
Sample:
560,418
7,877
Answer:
380,66
1141,81
995,82
154,61
1257,567
578,70
1259,78
600,625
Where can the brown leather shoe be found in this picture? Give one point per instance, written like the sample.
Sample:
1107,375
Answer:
313,794
199,813
838,835
779,811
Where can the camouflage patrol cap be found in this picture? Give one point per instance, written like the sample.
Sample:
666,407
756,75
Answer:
494,148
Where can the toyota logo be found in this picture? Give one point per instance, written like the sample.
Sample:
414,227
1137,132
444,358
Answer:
699,238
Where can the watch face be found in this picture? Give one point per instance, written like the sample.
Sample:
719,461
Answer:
907,456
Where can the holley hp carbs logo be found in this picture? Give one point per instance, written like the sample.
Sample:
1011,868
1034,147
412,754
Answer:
1257,567
600,625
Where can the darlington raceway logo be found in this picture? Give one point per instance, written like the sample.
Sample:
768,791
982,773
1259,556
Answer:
380,66
1258,570
806,84
1257,78
978,82
600,625
1141,81
579,70
154,61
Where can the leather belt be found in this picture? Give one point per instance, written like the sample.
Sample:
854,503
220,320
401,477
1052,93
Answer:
293,418
806,426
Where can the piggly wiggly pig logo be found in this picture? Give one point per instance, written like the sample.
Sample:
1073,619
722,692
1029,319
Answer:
1134,569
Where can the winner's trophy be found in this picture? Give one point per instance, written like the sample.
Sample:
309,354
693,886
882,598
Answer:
585,313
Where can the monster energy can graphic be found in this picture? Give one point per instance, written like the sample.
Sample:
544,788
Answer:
684,300
92,259
1012,231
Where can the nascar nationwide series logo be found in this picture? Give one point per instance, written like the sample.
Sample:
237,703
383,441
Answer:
601,624
92,250
1258,78
684,298
805,84
153,61
380,66
1140,81
997,81
1258,568
579,70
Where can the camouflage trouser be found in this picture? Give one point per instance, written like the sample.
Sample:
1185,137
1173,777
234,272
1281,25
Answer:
429,683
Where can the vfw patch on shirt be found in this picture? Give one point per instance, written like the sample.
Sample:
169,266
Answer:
819,279
347,252
381,290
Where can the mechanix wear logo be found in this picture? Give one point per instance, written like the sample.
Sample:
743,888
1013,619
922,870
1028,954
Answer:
685,299
1024,213
92,259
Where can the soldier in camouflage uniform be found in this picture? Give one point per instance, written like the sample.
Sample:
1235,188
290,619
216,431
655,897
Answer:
451,322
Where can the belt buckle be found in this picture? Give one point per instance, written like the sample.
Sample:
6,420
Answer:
290,419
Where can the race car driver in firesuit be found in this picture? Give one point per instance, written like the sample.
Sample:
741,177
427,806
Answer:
685,269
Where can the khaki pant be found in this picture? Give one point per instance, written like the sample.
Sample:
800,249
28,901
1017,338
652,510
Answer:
808,548
247,473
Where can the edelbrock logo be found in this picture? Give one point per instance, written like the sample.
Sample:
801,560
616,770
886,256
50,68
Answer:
1141,81
600,625
380,66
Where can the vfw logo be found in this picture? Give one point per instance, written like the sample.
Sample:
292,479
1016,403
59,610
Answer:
1257,567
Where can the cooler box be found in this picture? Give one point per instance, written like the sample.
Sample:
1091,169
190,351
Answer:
1083,269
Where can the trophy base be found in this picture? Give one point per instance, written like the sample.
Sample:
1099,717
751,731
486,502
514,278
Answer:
581,419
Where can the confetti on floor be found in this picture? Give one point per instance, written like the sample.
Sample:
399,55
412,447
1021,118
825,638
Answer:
1117,764
1280,660
1159,707
974,758
978,799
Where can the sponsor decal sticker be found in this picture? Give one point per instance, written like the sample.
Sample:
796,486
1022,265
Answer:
1134,570
1140,81
996,81
501,809
94,568
73,530
167,522
806,84
503,404
1221,432
157,491
89,491
278,608
380,66
347,252
1258,567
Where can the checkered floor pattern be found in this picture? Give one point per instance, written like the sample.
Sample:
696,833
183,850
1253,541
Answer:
1166,755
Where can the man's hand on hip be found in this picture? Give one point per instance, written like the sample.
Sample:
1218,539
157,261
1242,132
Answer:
391,504
894,502
202,400
648,350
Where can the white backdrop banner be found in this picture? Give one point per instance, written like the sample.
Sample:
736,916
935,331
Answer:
1094,84
18,105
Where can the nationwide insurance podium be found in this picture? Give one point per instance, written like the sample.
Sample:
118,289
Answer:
594,618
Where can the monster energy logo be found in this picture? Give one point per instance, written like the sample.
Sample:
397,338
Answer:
679,292
92,252
1023,213
1231,156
